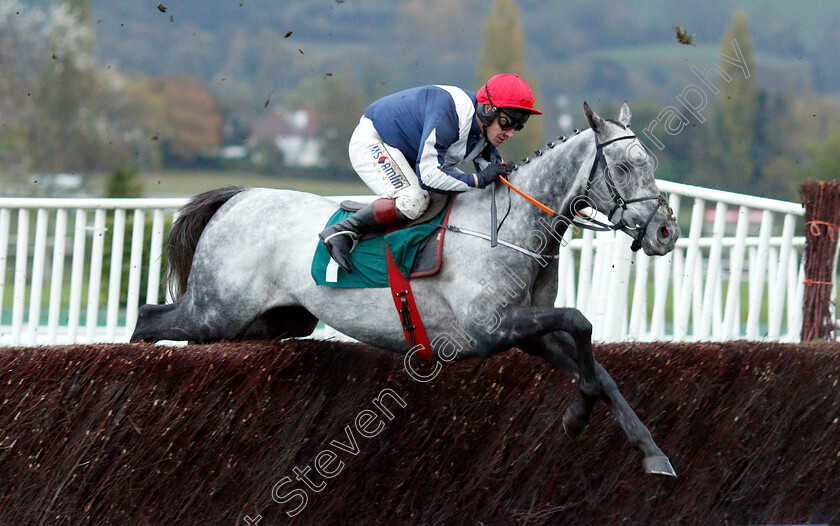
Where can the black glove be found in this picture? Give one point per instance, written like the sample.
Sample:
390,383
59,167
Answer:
492,172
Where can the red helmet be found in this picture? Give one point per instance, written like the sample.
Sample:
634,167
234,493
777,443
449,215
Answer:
507,90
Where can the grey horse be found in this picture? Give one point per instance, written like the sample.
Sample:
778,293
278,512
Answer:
242,260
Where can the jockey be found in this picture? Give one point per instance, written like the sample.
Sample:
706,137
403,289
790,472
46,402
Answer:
408,144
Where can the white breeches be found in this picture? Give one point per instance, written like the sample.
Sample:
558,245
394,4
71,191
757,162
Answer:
386,170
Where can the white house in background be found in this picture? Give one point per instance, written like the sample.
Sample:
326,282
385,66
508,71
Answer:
233,152
294,133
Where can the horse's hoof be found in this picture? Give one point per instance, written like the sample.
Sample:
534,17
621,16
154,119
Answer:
659,466
572,425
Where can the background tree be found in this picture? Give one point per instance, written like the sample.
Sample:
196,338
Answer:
434,39
57,98
339,107
192,121
68,127
124,182
21,45
503,52
736,113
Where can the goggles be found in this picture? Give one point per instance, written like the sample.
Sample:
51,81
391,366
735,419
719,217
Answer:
506,122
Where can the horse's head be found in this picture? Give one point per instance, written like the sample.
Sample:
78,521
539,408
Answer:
621,185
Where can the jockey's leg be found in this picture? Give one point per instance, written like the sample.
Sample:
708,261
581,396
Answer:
341,238
389,174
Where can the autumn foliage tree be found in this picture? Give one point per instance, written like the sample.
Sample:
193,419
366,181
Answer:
190,120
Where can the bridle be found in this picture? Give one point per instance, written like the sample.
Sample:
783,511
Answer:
591,223
618,200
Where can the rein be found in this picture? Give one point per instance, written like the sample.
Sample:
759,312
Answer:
528,198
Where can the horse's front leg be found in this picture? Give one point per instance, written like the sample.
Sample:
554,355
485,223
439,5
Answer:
559,350
516,326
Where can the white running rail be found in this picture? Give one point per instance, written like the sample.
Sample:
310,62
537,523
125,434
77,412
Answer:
737,271
76,310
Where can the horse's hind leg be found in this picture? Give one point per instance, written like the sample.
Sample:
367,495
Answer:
559,350
152,324
182,321
282,322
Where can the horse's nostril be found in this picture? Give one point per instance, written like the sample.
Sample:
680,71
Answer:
664,233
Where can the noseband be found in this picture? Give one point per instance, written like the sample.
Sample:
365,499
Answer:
618,201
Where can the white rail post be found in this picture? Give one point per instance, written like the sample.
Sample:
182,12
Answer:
599,298
794,310
115,278
662,277
134,272
676,284
21,263
562,270
778,290
731,313
570,266
684,300
697,293
96,252
37,284
618,265
566,272
661,282
757,274
710,306
796,324
57,278
155,252
638,311
76,274
717,312
4,247
772,278
585,272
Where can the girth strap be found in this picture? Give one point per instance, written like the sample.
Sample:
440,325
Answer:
412,325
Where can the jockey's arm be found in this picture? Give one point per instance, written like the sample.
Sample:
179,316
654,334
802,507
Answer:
431,159
488,156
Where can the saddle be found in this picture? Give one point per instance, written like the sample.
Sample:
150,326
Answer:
415,246
427,260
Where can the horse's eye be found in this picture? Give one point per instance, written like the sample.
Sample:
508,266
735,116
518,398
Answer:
623,169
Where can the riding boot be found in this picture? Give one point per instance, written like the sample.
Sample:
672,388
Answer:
340,239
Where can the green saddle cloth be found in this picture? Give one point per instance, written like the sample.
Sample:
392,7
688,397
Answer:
370,263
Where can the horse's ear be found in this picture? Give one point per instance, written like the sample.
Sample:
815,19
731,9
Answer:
595,121
624,115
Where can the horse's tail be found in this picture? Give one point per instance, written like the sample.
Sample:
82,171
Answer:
185,233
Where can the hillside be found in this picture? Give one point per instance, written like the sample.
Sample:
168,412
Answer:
382,45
